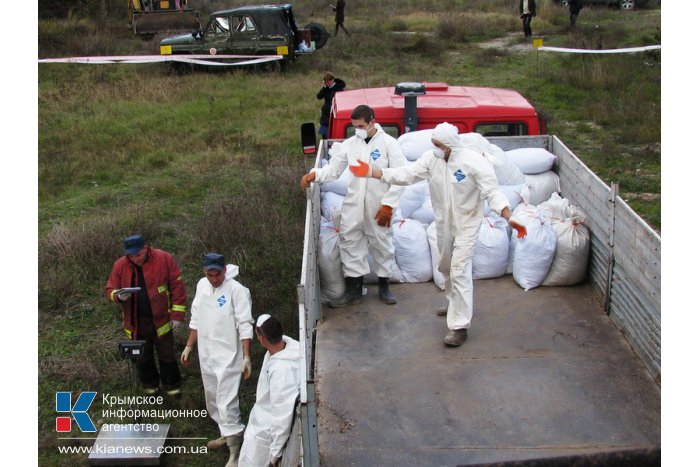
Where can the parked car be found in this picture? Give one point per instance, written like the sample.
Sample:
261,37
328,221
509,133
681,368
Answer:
622,4
250,30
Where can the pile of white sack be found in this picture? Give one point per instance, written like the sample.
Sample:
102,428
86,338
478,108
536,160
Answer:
554,253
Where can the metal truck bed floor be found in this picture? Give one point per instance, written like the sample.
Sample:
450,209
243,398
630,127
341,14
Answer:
543,373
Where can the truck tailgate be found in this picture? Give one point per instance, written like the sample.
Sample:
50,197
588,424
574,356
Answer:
543,373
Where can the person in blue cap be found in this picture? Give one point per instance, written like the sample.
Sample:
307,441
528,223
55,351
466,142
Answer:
222,327
147,284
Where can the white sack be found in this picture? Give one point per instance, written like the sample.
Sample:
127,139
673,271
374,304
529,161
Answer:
526,213
555,209
491,250
330,267
533,255
338,186
412,250
542,186
512,192
413,197
415,143
438,278
532,161
571,258
424,214
331,204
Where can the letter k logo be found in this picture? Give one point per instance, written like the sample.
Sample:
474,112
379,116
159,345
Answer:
78,411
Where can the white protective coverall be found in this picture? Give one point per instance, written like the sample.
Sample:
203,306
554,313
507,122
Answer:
222,318
359,233
457,190
270,420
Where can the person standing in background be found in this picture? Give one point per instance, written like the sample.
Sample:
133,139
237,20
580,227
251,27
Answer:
528,10
339,9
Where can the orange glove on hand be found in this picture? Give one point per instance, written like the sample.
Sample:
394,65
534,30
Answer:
307,179
520,228
383,216
362,169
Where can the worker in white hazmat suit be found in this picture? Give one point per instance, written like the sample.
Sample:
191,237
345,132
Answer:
459,180
222,327
270,421
365,219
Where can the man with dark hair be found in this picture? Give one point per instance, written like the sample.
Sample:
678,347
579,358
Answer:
147,284
365,217
222,327
331,85
270,420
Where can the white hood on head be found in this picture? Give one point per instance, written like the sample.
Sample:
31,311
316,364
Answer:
447,134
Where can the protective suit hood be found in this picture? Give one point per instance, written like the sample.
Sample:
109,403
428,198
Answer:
448,135
231,271
291,351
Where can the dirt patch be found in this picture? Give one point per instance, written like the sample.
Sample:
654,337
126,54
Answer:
513,41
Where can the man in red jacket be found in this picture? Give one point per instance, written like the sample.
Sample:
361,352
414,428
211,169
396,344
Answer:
151,312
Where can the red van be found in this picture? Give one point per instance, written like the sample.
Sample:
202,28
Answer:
418,106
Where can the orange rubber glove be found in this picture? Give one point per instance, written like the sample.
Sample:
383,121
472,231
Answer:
520,228
307,179
383,216
362,169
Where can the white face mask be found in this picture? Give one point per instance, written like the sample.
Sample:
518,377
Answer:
361,133
439,153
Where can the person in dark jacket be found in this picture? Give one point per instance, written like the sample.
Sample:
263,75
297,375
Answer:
331,85
574,9
339,9
528,10
147,285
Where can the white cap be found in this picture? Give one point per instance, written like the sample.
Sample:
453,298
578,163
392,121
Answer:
447,134
262,319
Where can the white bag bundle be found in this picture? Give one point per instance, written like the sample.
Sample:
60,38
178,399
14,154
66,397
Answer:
424,214
526,213
331,204
555,209
412,250
339,185
438,278
413,197
542,186
415,143
534,255
330,267
571,258
532,161
512,192
491,250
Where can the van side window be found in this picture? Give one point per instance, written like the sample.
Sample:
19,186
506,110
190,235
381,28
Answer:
392,130
220,25
501,129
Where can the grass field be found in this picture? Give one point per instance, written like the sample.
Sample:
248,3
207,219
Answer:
211,160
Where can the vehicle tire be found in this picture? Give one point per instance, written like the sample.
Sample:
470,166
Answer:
319,34
627,4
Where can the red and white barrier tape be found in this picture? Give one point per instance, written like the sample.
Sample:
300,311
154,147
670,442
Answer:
594,51
207,60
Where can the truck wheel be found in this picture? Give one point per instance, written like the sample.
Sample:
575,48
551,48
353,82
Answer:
627,4
319,34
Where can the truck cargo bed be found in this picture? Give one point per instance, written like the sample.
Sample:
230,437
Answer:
543,374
